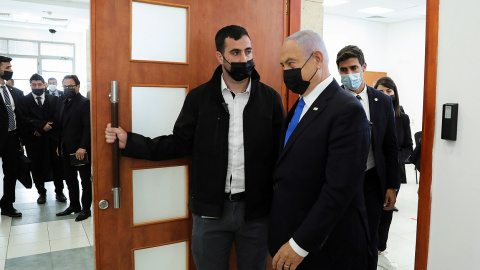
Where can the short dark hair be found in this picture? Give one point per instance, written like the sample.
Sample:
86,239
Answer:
73,77
350,51
389,83
37,77
52,79
232,31
5,59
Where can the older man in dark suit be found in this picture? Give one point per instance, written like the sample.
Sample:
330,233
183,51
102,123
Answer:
381,178
41,138
318,218
10,133
75,140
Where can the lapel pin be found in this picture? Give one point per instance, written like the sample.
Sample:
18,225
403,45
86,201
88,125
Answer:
315,108
376,99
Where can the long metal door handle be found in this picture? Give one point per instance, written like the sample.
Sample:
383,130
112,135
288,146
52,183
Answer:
115,152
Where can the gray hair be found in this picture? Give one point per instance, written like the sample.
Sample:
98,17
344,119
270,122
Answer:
309,41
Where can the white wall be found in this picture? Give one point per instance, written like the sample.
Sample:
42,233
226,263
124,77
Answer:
455,222
43,35
396,48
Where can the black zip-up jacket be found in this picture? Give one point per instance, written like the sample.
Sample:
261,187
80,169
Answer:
201,130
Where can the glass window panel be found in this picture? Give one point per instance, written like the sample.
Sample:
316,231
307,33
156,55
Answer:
24,68
159,33
150,102
22,47
3,46
54,49
57,65
23,85
57,75
159,194
173,256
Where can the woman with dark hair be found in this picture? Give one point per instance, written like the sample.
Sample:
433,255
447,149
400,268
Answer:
405,148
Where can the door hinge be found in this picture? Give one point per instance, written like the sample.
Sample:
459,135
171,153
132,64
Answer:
286,6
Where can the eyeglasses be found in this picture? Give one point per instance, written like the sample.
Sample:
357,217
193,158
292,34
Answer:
69,86
37,85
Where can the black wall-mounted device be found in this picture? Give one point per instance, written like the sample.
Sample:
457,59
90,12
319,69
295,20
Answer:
449,121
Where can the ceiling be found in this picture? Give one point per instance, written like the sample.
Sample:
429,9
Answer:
403,10
74,15
61,15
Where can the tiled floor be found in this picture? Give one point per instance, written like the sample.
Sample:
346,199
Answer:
40,240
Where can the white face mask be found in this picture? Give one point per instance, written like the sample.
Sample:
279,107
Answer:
352,81
52,87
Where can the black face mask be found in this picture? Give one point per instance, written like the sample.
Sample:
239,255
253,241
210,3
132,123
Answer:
294,81
38,92
69,93
393,98
239,71
7,75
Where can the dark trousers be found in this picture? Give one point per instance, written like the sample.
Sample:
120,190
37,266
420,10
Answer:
46,165
72,184
374,204
384,228
10,159
212,240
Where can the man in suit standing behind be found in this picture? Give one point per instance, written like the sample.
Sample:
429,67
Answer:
381,179
53,90
41,138
318,218
10,131
75,139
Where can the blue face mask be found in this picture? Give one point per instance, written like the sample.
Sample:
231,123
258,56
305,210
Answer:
352,81
52,87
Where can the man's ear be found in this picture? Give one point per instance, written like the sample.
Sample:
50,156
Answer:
318,55
219,57
364,67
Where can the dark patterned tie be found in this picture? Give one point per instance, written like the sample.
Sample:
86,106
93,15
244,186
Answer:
8,104
39,101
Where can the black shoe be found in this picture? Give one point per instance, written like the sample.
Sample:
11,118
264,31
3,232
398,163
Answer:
83,215
42,199
60,197
68,211
11,213
395,209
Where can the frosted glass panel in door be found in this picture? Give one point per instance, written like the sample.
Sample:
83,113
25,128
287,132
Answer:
159,194
159,33
167,257
155,109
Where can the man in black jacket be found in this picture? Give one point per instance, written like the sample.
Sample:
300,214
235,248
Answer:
10,133
231,127
74,140
41,138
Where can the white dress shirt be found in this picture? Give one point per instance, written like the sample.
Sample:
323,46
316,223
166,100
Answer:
235,178
366,106
12,102
42,97
309,99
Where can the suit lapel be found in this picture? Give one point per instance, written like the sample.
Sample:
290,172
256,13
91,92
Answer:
313,112
32,103
373,107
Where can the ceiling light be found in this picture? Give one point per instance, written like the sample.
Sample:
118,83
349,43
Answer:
375,10
332,3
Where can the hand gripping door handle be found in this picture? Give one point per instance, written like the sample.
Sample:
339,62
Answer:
115,151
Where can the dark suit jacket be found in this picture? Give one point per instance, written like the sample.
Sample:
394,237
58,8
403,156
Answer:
318,198
405,144
384,139
17,98
61,95
75,125
36,118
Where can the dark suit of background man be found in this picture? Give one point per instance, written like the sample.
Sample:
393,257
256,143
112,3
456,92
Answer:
41,138
231,127
318,219
10,132
75,139
381,179
53,89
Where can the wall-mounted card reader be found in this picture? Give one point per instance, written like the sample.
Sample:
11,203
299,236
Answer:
449,121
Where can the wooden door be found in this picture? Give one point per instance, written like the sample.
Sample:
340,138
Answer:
158,51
